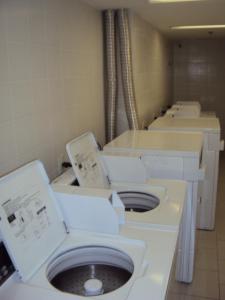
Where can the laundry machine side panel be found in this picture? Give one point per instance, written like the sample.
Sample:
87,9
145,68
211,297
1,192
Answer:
215,187
214,143
207,206
186,243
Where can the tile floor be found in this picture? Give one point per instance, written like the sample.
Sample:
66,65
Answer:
209,277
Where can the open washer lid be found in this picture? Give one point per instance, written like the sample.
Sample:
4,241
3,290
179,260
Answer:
30,225
85,159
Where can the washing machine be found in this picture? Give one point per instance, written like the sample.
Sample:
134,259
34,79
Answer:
208,114
163,155
53,261
210,127
189,109
188,103
138,194
181,111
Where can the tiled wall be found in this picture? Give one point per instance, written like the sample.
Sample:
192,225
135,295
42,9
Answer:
199,74
50,79
152,69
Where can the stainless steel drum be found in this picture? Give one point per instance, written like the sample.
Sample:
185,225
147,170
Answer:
90,271
138,201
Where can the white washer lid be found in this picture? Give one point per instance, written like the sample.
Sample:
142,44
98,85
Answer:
160,143
85,159
30,225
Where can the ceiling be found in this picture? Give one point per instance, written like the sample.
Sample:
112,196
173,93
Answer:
164,15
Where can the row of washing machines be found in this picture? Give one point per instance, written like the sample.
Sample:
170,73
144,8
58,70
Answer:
113,225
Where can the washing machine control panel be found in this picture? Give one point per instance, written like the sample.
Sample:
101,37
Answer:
6,266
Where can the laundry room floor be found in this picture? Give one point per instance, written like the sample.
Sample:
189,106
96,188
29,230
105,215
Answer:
209,275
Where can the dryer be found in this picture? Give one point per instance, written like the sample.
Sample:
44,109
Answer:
210,127
92,172
75,263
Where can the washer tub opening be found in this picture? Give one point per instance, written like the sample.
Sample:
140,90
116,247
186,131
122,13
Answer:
138,201
90,270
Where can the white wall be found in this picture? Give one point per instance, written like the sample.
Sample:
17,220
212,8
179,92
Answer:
50,79
152,73
199,74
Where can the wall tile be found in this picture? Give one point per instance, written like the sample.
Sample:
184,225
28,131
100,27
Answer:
38,58
41,96
199,67
22,98
4,68
7,149
51,67
5,103
37,27
17,25
19,61
152,75
25,138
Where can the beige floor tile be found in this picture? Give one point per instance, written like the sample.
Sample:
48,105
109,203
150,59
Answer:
205,284
222,292
220,233
206,259
173,296
206,244
221,250
206,239
195,298
221,236
206,235
222,271
220,212
220,220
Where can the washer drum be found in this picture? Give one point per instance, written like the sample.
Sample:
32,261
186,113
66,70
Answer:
138,201
90,271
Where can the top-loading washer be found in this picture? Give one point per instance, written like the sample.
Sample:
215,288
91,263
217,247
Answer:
53,261
189,103
189,109
210,127
141,198
163,155
208,113
181,111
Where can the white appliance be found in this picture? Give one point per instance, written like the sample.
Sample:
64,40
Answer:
187,103
181,111
208,114
90,170
210,127
163,155
189,109
53,261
